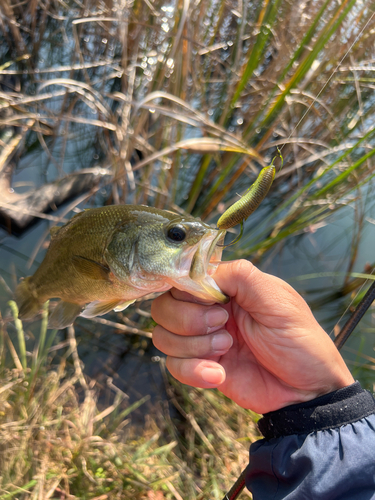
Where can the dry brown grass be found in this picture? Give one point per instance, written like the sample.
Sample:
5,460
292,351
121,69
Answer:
58,441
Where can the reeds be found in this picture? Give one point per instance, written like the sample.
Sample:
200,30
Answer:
187,101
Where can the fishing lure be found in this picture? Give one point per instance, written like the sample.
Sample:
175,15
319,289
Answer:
246,205
250,201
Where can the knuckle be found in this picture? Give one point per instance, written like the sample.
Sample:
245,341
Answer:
157,337
158,307
184,369
176,367
198,346
243,267
188,323
191,320
155,305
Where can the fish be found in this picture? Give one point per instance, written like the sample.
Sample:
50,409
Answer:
106,258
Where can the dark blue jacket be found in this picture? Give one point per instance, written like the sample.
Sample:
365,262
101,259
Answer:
320,450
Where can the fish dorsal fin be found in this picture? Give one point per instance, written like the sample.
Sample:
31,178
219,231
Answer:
53,231
90,268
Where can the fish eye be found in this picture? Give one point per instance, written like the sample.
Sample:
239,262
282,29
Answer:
176,233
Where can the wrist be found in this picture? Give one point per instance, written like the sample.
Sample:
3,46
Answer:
335,384
322,378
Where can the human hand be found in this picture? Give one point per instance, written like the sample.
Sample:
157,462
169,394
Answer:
264,349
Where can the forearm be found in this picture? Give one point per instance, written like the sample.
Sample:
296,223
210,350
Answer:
321,450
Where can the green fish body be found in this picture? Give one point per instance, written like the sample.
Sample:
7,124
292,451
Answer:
105,258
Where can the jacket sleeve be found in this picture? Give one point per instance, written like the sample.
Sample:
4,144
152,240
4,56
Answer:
320,450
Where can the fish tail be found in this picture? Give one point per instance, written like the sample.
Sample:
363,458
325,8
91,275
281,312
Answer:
27,300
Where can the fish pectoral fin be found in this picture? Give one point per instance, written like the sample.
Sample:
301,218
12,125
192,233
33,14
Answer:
98,308
27,300
124,305
64,314
90,268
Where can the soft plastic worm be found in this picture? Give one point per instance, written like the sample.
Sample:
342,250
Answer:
250,201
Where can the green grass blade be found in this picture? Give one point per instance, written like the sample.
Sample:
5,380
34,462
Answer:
266,21
302,193
20,333
327,32
305,42
19,490
198,182
344,175
43,328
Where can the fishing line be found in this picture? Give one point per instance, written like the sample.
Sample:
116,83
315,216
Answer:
365,303
329,79
307,111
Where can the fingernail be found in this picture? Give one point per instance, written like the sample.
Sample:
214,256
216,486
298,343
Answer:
221,342
214,376
216,317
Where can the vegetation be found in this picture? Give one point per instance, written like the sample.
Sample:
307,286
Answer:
58,441
179,105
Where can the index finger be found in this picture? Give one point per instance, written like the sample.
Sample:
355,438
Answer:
188,297
187,318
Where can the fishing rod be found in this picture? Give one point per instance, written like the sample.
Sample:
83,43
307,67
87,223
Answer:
364,304
339,341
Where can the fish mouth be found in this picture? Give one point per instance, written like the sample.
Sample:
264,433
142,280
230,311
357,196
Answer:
205,262
198,265
207,256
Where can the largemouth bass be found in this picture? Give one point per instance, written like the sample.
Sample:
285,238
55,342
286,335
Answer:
106,258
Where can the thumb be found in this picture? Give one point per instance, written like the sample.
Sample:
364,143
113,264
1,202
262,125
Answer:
259,293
